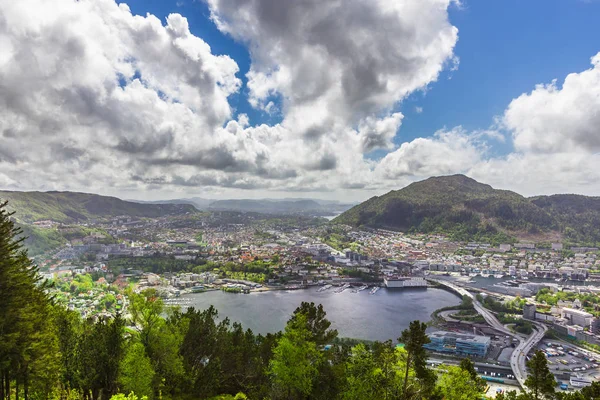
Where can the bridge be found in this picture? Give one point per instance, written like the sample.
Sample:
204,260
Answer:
519,354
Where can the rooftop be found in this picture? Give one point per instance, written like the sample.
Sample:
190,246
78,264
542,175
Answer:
464,337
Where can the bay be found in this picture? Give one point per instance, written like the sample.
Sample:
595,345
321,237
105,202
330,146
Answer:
359,315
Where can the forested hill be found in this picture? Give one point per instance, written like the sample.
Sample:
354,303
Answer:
67,207
468,210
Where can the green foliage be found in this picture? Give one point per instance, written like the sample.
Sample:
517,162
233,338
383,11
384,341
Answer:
69,207
294,366
130,396
137,373
540,382
413,339
457,383
41,240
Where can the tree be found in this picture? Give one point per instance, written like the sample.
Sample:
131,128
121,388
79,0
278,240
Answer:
316,323
414,338
361,380
295,361
137,373
540,382
467,365
457,383
28,346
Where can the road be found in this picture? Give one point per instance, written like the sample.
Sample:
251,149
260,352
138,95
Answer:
519,354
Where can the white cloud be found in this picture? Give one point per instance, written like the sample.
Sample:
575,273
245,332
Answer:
418,110
557,119
332,62
93,97
447,152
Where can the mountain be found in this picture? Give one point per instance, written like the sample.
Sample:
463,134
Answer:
280,206
198,202
68,207
469,210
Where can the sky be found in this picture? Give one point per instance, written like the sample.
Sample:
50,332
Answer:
343,99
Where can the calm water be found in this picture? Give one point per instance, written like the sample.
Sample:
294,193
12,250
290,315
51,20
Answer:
380,316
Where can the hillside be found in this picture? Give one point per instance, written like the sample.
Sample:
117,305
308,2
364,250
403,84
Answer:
279,206
67,207
468,210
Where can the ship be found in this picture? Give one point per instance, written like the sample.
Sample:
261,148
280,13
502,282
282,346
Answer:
342,288
323,288
360,289
374,290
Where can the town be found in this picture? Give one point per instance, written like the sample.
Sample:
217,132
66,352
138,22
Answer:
525,285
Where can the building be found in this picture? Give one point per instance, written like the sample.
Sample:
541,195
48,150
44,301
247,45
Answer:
529,311
404,282
557,246
458,343
505,247
577,317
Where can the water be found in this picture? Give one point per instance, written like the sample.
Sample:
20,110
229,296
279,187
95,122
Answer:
380,316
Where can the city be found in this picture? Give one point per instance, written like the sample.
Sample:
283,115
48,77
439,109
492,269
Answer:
521,294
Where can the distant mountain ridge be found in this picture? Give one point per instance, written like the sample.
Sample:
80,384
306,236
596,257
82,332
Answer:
68,207
466,209
263,206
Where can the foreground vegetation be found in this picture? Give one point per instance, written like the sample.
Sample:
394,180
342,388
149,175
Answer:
48,352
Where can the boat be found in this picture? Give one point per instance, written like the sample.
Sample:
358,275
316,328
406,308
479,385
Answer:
342,288
374,290
323,288
360,289
498,276
472,274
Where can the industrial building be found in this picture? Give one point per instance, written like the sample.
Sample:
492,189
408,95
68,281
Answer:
458,343
404,282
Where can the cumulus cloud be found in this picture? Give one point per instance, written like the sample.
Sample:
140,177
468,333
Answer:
338,61
92,96
446,152
557,119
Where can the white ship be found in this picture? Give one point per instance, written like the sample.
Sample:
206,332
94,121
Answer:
374,290
323,288
341,289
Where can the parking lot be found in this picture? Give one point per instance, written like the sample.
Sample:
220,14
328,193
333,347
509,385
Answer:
567,362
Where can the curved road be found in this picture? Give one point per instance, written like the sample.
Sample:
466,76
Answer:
519,354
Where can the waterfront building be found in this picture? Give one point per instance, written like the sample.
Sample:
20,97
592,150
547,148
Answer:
458,343
404,282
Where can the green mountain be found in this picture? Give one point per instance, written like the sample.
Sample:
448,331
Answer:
69,207
468,210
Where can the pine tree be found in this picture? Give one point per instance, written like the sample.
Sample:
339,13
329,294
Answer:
28,346
540,382
414,338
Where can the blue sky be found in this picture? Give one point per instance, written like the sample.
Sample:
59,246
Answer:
505,47
337,99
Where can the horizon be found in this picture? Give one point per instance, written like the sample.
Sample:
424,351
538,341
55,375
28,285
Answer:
284,198
224,99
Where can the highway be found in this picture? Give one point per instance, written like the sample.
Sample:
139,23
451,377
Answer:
519,354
